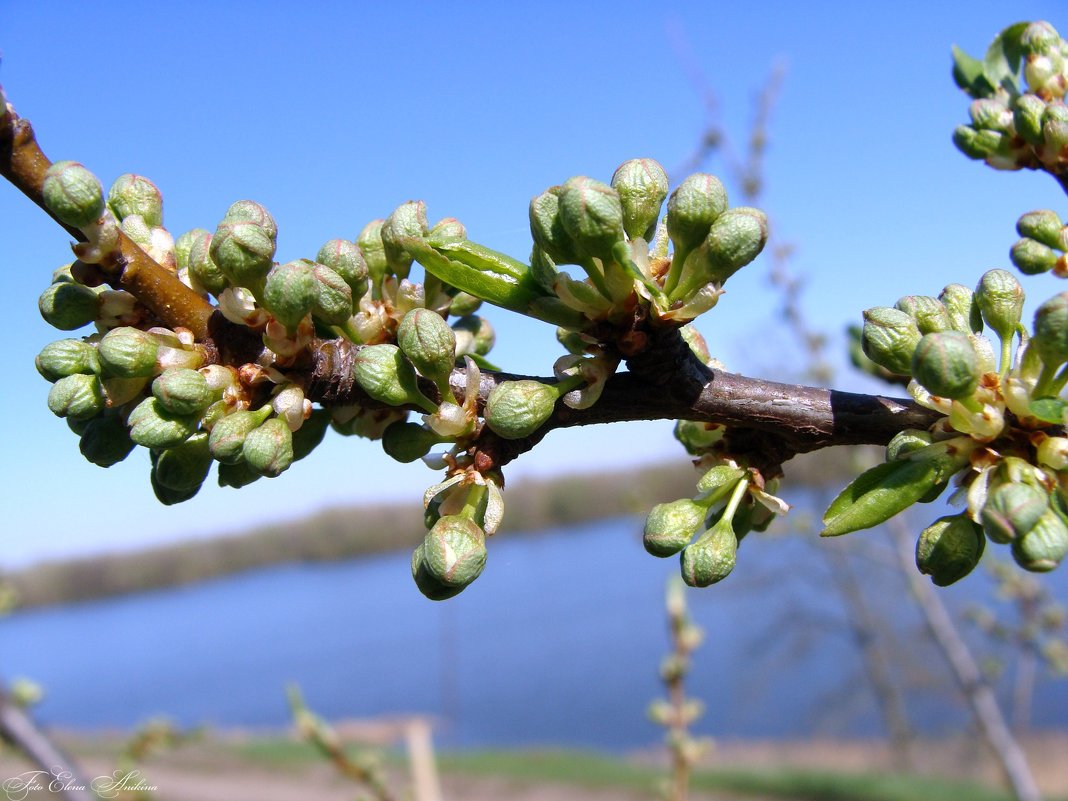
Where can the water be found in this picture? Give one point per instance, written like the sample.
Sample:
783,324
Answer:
558,642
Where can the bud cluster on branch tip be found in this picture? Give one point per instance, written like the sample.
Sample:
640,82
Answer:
1018,116
1042,244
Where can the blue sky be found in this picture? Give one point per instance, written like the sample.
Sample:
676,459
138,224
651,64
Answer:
331,114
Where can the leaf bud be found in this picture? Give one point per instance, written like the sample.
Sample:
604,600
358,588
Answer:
127,352
1011,510
374,251
1027,117
592,215
670,526
1044,225
889,338
73,194
105,440
929,313
1050,338
152,426
204,273
290,292
949,549
547,229
407,220
946,364
905,442
712,557
77,396
183,391
253,212
642,185
1032,258
268,449
692,208
67,357
407,442
228,435
962,309
1043,547
428,341
184,467
243,251
516,409
1000,298
454,551
346,259
474,334
68,306
134,194
387,376
333,297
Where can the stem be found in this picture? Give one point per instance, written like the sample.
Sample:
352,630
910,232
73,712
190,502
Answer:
678,258
1059,381
1045,380
736,498
1006,357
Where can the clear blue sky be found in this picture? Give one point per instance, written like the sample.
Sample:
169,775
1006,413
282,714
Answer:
331,114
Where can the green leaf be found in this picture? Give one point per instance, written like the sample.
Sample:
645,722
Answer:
1049,410
968,74
880,493
1002,61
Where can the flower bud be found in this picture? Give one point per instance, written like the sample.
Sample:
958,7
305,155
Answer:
428,341
946,364
168,496
889,338
949,549
1011,510
152,426
134,194
183,391
291,406
184,467
642,185
1043,226
906,442
268,450
735,238
1050,338
517,409
592,215
712,557
1043,547
243,251
1000,298
227,438
464,304
407,442
105,440
237,475
1027,117
547,228
976,144
407,220
692,208
474,334
696,436
425,580
253,212
448,229
670,526
962,309
1032,258
1040,39
68,306
990,113
333,298
346,259
387,376
290,292
184,244
454,551
128,353
204,273
1052,452
929,313
73,194
374,251
77,396
67,357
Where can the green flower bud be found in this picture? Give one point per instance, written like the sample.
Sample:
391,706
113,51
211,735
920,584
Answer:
962,309
696,436
387,376
946,364
1011,510
291,291
1000,298
184,467
253,212
454,551
128,353
670,526
73,194
592,215
425,580
905,442
168,496
474,334
464,304
712,557
1050,339
346,259
547,228
135,194
929,313
243,251
184,244
1043,226
77,396
68,306
448,229
407,442
692,208
642,185
374,251
333,299
976,144
268,450
517,409
227,438
1043,547
152,426
889,338
1027,117
426,339
1040,38
407,220
735,238
1052,452
204,273
1032,258
237,475
183,391
949,549
67,357
991,113
105,440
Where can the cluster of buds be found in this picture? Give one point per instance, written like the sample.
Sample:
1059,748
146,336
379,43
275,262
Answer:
1042,245
1018,115
1001,435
